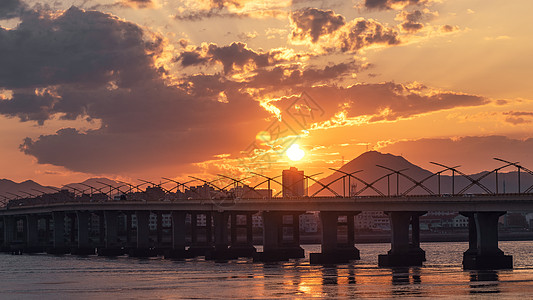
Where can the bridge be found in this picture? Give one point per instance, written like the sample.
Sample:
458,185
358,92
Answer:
216,221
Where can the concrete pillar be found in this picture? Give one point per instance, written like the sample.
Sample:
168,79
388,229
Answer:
111,229
404,251
194,226
101,228
178,230
112,247
201,248
400,232
143,247
487,255
220,220
472,234
415,231
296,229
2,233
351,230
329,231
239,248
159,228
274,248
178,236
128,228
271,230
221,243
9,232
487,233
332,250
47,232
83,246
72,232
233,228
249,230
208,228
32,234
58,235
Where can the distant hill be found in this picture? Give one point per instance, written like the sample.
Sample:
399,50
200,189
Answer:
95,185
21,188
368,161
9,189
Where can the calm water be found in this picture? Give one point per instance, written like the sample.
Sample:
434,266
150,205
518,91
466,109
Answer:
71,277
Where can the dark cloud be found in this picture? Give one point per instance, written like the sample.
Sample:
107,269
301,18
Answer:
293,77
206,14
449,28
314,23
518,117
235,56
87,64
411,21
149,126
11,9
387,101
392,4
225,3
310,24
85,48
29,106
230,9
363,33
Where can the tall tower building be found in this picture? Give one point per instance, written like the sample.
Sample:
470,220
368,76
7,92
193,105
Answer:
293,183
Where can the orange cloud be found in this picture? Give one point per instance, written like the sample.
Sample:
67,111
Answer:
139,3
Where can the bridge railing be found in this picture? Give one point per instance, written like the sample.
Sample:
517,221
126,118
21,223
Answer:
226,190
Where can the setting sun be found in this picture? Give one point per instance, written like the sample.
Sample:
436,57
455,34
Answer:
295,153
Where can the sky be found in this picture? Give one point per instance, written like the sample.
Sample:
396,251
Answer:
132,89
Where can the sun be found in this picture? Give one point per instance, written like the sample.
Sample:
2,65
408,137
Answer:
295,153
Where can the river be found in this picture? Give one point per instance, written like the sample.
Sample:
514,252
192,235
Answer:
42,276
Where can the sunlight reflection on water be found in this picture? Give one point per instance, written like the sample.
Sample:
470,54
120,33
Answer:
53,277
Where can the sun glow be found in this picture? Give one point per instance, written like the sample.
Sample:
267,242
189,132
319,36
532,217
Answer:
295,153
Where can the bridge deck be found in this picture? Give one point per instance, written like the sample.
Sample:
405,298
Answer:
502,202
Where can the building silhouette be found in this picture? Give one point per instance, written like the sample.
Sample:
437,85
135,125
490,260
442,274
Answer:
293,183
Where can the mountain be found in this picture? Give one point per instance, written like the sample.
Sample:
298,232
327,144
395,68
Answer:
95,185
447,182
367,163
9,187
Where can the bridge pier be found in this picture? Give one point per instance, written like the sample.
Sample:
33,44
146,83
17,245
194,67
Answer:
48,233
177,250
129,243
483,251
112,247
83,246
32,235
221,243
2,234
72,232
404,251
9,232
277,227
159,246
246,248
142,248
58,234
201,247
333,251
